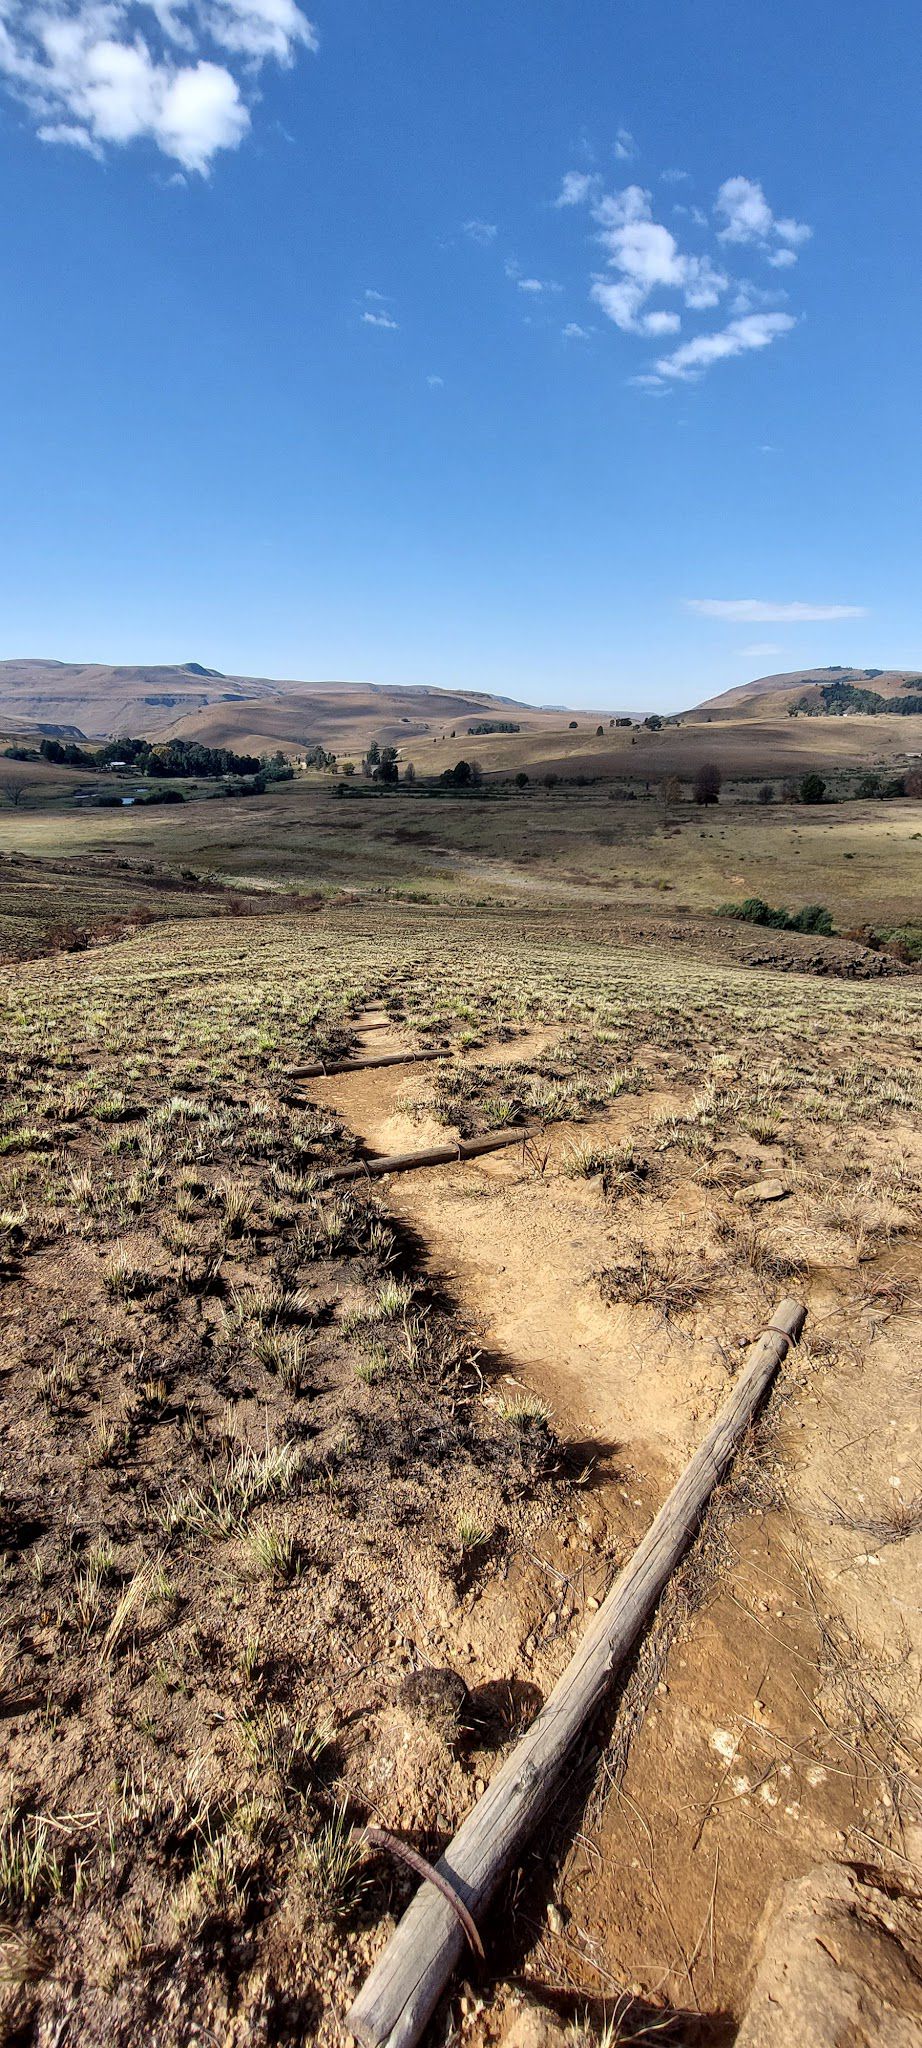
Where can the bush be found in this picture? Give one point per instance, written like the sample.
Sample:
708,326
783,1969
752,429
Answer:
464,775
814,917
766,793
812,789
708,784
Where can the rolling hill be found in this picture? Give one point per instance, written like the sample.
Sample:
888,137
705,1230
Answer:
242,712
771,696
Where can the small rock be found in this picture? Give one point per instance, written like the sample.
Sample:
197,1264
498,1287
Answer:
555,1919
765,1191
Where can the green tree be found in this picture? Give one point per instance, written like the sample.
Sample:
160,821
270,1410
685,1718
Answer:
812,789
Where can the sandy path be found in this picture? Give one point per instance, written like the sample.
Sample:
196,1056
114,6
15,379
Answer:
518,1251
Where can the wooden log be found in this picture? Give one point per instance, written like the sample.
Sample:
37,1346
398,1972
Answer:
434,1155
398,1998
354,1065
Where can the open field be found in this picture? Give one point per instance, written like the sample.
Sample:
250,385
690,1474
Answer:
310,1494
582,848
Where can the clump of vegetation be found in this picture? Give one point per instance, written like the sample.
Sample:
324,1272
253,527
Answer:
814,917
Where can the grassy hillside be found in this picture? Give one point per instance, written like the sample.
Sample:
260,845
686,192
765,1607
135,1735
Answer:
199,703
770,696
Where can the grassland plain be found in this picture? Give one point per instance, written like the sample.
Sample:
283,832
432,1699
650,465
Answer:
585,849
272,1454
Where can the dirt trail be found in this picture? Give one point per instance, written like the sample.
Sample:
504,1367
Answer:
518,1251
737,1777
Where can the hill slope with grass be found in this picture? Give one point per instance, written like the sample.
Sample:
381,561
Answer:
198,703
773,696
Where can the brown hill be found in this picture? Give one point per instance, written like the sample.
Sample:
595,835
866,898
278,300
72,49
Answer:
770,696
345,720
244,712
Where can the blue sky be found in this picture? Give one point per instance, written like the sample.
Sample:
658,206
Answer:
467,345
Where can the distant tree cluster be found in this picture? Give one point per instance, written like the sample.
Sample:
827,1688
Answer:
464,775
487,725
894,786
170,757
837,699
380,764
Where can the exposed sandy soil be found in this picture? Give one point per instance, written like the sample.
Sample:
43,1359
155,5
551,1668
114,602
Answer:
782,1719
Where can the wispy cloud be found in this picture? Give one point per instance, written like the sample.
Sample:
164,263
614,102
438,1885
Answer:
382,319
99,74
645,260
752,331
483,232
574,332
746,218
759,611
577,187
533,285
436,383
625,146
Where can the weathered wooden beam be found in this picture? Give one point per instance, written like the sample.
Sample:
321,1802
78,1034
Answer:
434,1155
398,1998
317,1069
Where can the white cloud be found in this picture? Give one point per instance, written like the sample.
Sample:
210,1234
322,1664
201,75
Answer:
100,73
645,258
78,138
752,331
757,611
379,320
577,187
674,177
747,218
574,332
481,231
661,323
648,258
436,383
625,146
534,286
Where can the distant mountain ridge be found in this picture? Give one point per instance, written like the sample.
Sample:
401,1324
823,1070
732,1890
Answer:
97,701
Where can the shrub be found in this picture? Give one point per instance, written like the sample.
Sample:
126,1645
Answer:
766,793
814,917
812,789
708,784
